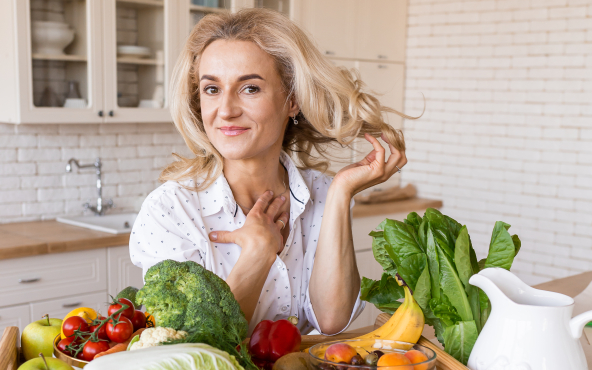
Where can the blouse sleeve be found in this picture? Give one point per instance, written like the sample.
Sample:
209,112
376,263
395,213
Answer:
162,231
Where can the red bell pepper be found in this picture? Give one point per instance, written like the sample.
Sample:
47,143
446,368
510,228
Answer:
273,339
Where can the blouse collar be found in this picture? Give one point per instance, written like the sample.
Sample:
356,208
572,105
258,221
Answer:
219,195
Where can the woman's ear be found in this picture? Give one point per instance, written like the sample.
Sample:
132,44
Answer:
294,108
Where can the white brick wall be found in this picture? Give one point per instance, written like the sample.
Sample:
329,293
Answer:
34,184
507,133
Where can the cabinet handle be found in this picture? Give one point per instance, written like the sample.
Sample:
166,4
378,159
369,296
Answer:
382,66
68,305
382,57
27,281
111,113
329,52
100,113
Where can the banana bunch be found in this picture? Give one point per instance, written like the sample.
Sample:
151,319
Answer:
406,325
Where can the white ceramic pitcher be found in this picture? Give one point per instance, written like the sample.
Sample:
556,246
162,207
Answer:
528,329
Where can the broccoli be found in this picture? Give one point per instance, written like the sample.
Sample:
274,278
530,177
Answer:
184,295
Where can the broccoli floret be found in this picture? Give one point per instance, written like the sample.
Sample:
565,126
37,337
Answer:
184,295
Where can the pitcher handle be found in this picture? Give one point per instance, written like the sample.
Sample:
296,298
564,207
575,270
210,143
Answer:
577,324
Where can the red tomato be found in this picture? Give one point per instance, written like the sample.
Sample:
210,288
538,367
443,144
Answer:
91,349
122,331
73,323
102,331
139,320
128,312
62,345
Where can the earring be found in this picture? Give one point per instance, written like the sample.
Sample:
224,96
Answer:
295,120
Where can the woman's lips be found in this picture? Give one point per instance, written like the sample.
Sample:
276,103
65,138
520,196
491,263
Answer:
233,130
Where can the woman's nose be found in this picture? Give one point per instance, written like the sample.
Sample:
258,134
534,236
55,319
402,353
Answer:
229,107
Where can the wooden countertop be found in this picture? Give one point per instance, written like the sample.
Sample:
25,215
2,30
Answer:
25,239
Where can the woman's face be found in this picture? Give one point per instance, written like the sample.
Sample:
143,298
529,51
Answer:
243,103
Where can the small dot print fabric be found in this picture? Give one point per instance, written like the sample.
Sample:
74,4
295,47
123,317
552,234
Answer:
174,223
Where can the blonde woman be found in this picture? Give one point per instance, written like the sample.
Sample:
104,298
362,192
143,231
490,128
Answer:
251,95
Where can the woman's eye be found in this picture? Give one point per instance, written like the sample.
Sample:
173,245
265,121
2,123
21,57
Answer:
251,89
211,90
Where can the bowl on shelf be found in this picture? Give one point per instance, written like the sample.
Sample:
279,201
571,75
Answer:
51,37
364,347
133,51
75,103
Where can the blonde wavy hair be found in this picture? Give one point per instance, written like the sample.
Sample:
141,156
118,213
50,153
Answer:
334,109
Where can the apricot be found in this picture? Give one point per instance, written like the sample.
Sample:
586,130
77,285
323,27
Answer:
340,352
397,360
416,357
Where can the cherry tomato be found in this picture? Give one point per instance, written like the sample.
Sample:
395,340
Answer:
128,312
122,331
63,343
139,320
73,323
102,331
91,349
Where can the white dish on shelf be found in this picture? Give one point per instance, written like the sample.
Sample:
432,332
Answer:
133,51
75,103
147,103
51,38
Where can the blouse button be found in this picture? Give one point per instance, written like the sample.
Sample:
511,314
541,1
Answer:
284,308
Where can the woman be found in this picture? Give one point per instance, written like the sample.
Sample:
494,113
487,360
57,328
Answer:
250,90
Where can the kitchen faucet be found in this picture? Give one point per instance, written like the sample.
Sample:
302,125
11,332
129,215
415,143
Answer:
99,209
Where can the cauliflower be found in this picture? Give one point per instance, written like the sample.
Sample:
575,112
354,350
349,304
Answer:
153,337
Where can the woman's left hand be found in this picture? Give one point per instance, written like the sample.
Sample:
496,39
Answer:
372,169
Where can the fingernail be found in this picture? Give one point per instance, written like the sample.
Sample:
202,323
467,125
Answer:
214,235
271,192
283,197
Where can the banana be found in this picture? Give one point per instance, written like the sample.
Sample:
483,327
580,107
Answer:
406,325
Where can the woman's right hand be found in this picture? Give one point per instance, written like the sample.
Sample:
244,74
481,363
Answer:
262,229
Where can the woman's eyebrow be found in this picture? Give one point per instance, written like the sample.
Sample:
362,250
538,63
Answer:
252,76
209,77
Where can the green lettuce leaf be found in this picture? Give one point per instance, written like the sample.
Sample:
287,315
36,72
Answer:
402,241
423,289
411,268
501,248
460,339
380,254
383,293
433,263
453,287
445,312
462,258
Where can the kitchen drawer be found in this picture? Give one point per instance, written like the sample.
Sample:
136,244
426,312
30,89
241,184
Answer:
52,275
122,272
15,316
58,308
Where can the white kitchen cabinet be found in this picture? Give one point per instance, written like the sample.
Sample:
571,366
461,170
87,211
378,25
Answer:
53,275
36,81
60,307
122,272
331,24
19,316
381,29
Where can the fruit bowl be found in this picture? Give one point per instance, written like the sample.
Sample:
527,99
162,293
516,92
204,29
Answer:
363,347
76,363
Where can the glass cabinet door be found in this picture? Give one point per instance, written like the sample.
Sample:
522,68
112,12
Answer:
138,59
63,61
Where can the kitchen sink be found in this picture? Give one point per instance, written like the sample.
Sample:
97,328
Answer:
120,223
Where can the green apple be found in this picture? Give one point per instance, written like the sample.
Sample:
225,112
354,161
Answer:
52,364
38,337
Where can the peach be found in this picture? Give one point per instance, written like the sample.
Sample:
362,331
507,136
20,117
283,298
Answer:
340,352
397,360
416,357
